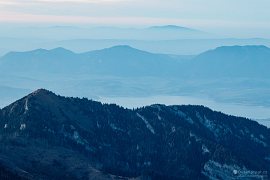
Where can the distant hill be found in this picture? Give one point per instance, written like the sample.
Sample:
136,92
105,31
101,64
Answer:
117,61
127,61
173,32
45,136
172,27
101,32
233,61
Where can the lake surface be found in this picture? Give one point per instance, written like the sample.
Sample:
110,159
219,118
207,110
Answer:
258,113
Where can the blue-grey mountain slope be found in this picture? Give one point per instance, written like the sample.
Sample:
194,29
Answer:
115,61
234,61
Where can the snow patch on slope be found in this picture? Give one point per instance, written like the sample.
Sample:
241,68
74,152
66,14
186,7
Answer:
216,129
23,126
214,170
114,127
183,115
148,125
257,140
205,149
26,107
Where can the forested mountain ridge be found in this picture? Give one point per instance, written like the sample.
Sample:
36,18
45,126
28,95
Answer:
44,134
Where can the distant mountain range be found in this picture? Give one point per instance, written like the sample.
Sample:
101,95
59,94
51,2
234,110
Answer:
173,46
230,74
115,61
46,136
166,39
235,61
165,32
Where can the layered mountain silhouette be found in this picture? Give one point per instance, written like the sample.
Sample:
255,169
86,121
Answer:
236,74
116,61
105,32
234,61
172,27
46,136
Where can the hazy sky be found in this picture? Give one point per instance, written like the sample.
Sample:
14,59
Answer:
231,17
